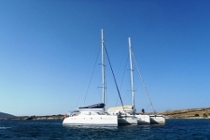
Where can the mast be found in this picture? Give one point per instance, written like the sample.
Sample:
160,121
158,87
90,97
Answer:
103,66
131,74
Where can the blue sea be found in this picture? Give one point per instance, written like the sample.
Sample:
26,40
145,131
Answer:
174,129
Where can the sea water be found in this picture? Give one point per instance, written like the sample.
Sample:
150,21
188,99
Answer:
174,129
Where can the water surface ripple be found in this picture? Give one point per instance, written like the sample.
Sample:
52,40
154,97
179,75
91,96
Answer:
177,129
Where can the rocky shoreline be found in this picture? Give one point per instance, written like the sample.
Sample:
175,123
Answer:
48,117
196,113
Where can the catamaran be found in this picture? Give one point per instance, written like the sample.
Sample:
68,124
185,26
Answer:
93,115
130,110
127,115
142,118
154,118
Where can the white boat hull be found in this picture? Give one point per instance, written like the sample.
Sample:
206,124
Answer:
93,120
127,120
157,119
143,119
131,119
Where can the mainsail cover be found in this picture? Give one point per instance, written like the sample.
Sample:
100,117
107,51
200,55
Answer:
120,108
100,105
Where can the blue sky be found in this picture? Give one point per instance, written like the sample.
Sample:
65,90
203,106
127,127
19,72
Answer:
49,49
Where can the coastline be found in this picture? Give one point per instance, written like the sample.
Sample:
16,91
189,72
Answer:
48,117
196,113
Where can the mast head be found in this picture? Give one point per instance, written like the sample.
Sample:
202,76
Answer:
102,35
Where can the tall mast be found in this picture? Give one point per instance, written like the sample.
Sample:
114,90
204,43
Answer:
103,67
131,74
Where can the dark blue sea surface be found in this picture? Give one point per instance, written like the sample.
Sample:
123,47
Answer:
174,129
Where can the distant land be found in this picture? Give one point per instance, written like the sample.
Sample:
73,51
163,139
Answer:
47,117
187,113
195,113
6,115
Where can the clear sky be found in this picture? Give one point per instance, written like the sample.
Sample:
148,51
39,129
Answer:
49,50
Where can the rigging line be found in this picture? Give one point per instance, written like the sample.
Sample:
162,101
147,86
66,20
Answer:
147,106
91,76
118,91
80,95
145,88
124,73
123,76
